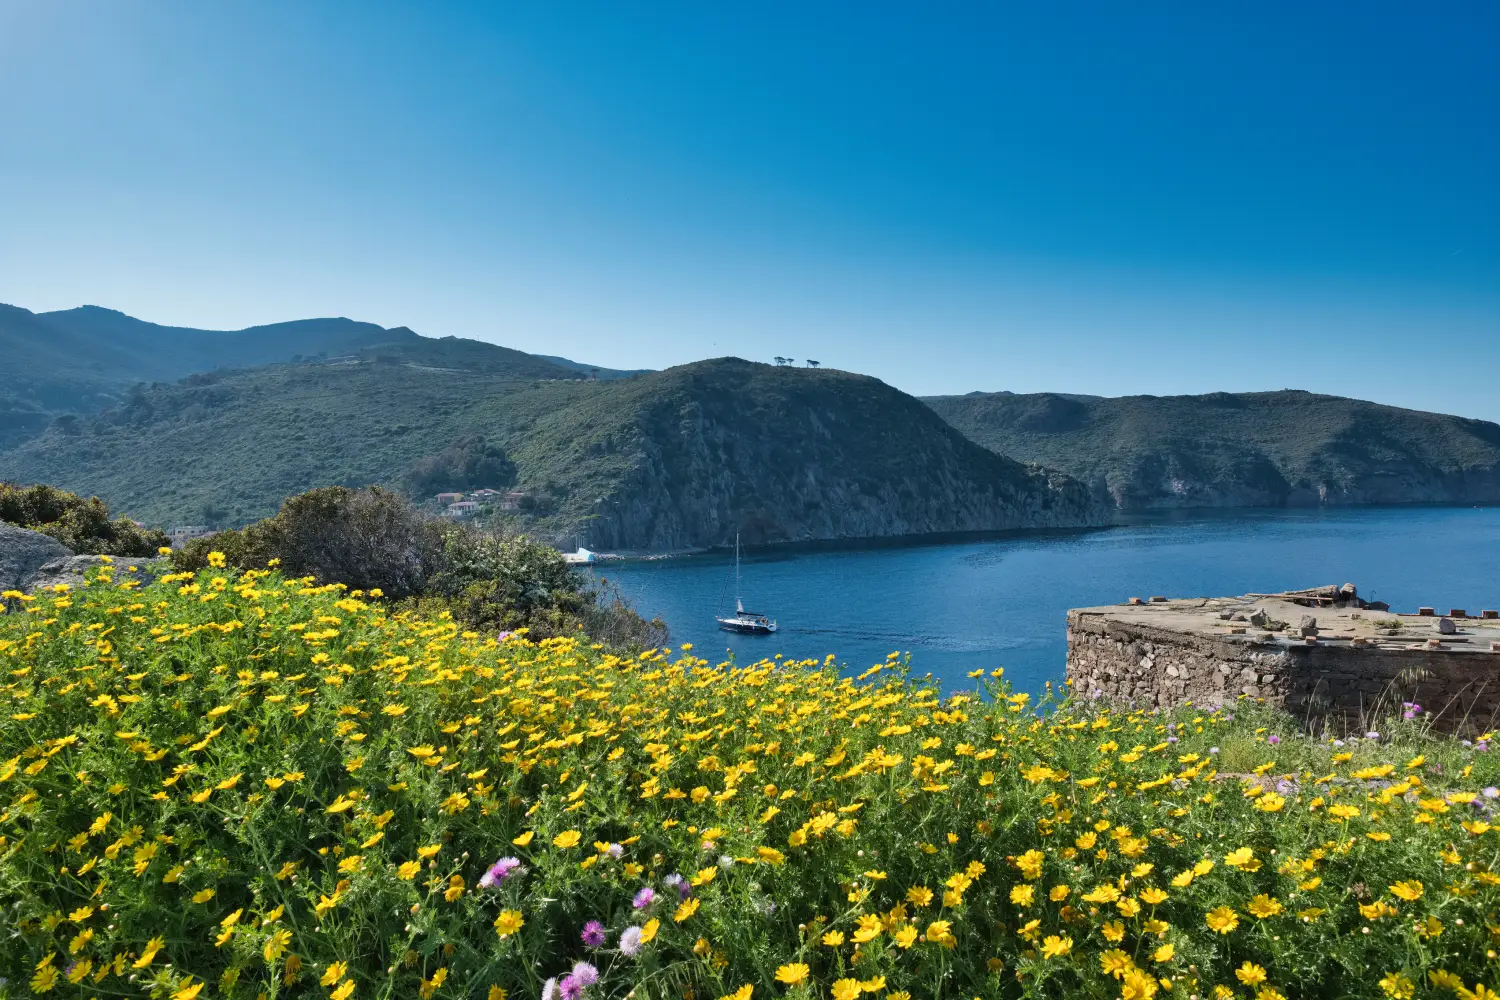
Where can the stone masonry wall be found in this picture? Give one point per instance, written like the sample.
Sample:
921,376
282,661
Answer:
1346,684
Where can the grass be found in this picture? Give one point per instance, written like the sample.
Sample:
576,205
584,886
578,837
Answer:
242,785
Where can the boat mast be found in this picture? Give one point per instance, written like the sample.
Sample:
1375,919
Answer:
739,606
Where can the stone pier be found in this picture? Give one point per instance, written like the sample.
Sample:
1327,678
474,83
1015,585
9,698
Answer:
1320,654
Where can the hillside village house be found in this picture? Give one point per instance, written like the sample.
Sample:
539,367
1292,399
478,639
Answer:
449,498
184,533
463,508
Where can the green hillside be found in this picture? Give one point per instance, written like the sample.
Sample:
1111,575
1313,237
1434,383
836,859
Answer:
1239,449
78,361
663,460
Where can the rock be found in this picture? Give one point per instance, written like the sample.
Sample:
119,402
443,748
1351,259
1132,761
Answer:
1446,626
1259,618
23,553
68,570
1309,626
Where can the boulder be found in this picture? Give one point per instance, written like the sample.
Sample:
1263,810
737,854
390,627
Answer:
1446,626
1259,618
1309,625
23,553
69,570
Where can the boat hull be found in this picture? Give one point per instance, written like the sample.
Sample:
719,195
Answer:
746,627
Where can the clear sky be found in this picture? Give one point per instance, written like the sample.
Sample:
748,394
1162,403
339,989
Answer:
1109,198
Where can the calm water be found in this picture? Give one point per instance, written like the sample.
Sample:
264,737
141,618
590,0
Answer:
1002,601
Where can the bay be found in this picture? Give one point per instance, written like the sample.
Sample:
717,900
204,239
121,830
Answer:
980,603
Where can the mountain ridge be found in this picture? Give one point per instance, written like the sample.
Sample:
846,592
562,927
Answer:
666,460
1286,447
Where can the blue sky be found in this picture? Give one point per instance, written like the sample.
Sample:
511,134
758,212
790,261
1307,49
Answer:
1107,198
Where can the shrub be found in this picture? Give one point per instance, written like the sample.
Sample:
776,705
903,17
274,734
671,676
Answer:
370,539
82,525
498,583
373,540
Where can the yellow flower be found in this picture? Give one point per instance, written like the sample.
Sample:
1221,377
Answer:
905,936
1410,890
276,945
203,895
332,974
919,895
687,909
188,992
1055,946
743,993
1394,984
524,838
845,989
1164,953
1222,919
1250,974
792,973
833,938
1115,963
1242,857
508,922
344,991
567,839
649,929
1153,896
1263,906
408,870
1022,895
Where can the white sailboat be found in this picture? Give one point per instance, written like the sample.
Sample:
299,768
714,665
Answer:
751,622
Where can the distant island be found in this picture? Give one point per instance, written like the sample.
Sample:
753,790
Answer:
195,428
1249,449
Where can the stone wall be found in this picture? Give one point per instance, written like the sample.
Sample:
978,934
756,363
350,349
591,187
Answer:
1345,684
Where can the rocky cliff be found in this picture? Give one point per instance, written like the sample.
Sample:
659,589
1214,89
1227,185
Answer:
778,454
1239,449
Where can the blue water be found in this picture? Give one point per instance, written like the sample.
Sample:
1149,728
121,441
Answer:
1002,601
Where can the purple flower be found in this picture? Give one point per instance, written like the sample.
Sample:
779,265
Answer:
1491,792
671,880
585,974
569,988
684,890
644,898
549,988
592,934
499,872
1372,736
630,942
616,851
1273,739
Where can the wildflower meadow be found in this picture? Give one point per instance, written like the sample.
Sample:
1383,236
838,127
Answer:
230,784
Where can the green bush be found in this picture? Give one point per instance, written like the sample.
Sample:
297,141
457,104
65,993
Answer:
373,540
370,539
82,525
498,583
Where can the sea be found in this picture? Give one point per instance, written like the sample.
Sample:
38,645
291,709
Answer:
962,604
